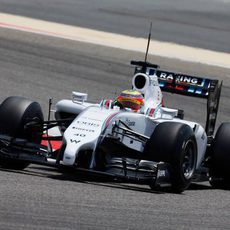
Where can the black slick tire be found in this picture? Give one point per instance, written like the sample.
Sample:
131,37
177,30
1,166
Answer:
174,143
15,113
219,170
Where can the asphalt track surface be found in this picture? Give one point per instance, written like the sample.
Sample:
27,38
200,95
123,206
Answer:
197,23
40,67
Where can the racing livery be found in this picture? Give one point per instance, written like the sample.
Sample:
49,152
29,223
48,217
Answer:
132,138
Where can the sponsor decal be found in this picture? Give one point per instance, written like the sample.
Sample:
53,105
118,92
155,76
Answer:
88,123
179,78
166,76
83,129
74,141
130,123
90,118
79,135
187,79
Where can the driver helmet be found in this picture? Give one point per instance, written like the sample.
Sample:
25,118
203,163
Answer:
131,99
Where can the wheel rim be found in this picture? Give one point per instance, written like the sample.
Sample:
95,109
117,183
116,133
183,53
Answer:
189,161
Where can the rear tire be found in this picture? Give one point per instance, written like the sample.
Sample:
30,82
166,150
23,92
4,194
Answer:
174,143
219,170
15,113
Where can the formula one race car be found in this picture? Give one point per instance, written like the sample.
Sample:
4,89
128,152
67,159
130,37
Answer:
133,138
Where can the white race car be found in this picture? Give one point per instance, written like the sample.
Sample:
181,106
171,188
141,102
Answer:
147,143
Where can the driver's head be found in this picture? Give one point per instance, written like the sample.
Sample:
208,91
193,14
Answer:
131,99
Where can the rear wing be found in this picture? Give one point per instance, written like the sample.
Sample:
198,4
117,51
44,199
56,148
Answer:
187,85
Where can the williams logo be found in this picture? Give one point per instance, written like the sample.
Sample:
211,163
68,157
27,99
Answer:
74,141
129,123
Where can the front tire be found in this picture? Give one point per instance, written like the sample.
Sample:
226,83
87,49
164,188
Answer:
15,113
174,143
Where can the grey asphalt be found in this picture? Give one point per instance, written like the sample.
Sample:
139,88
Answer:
198,23
38,197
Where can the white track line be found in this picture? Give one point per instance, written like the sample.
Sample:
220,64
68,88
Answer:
163,49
